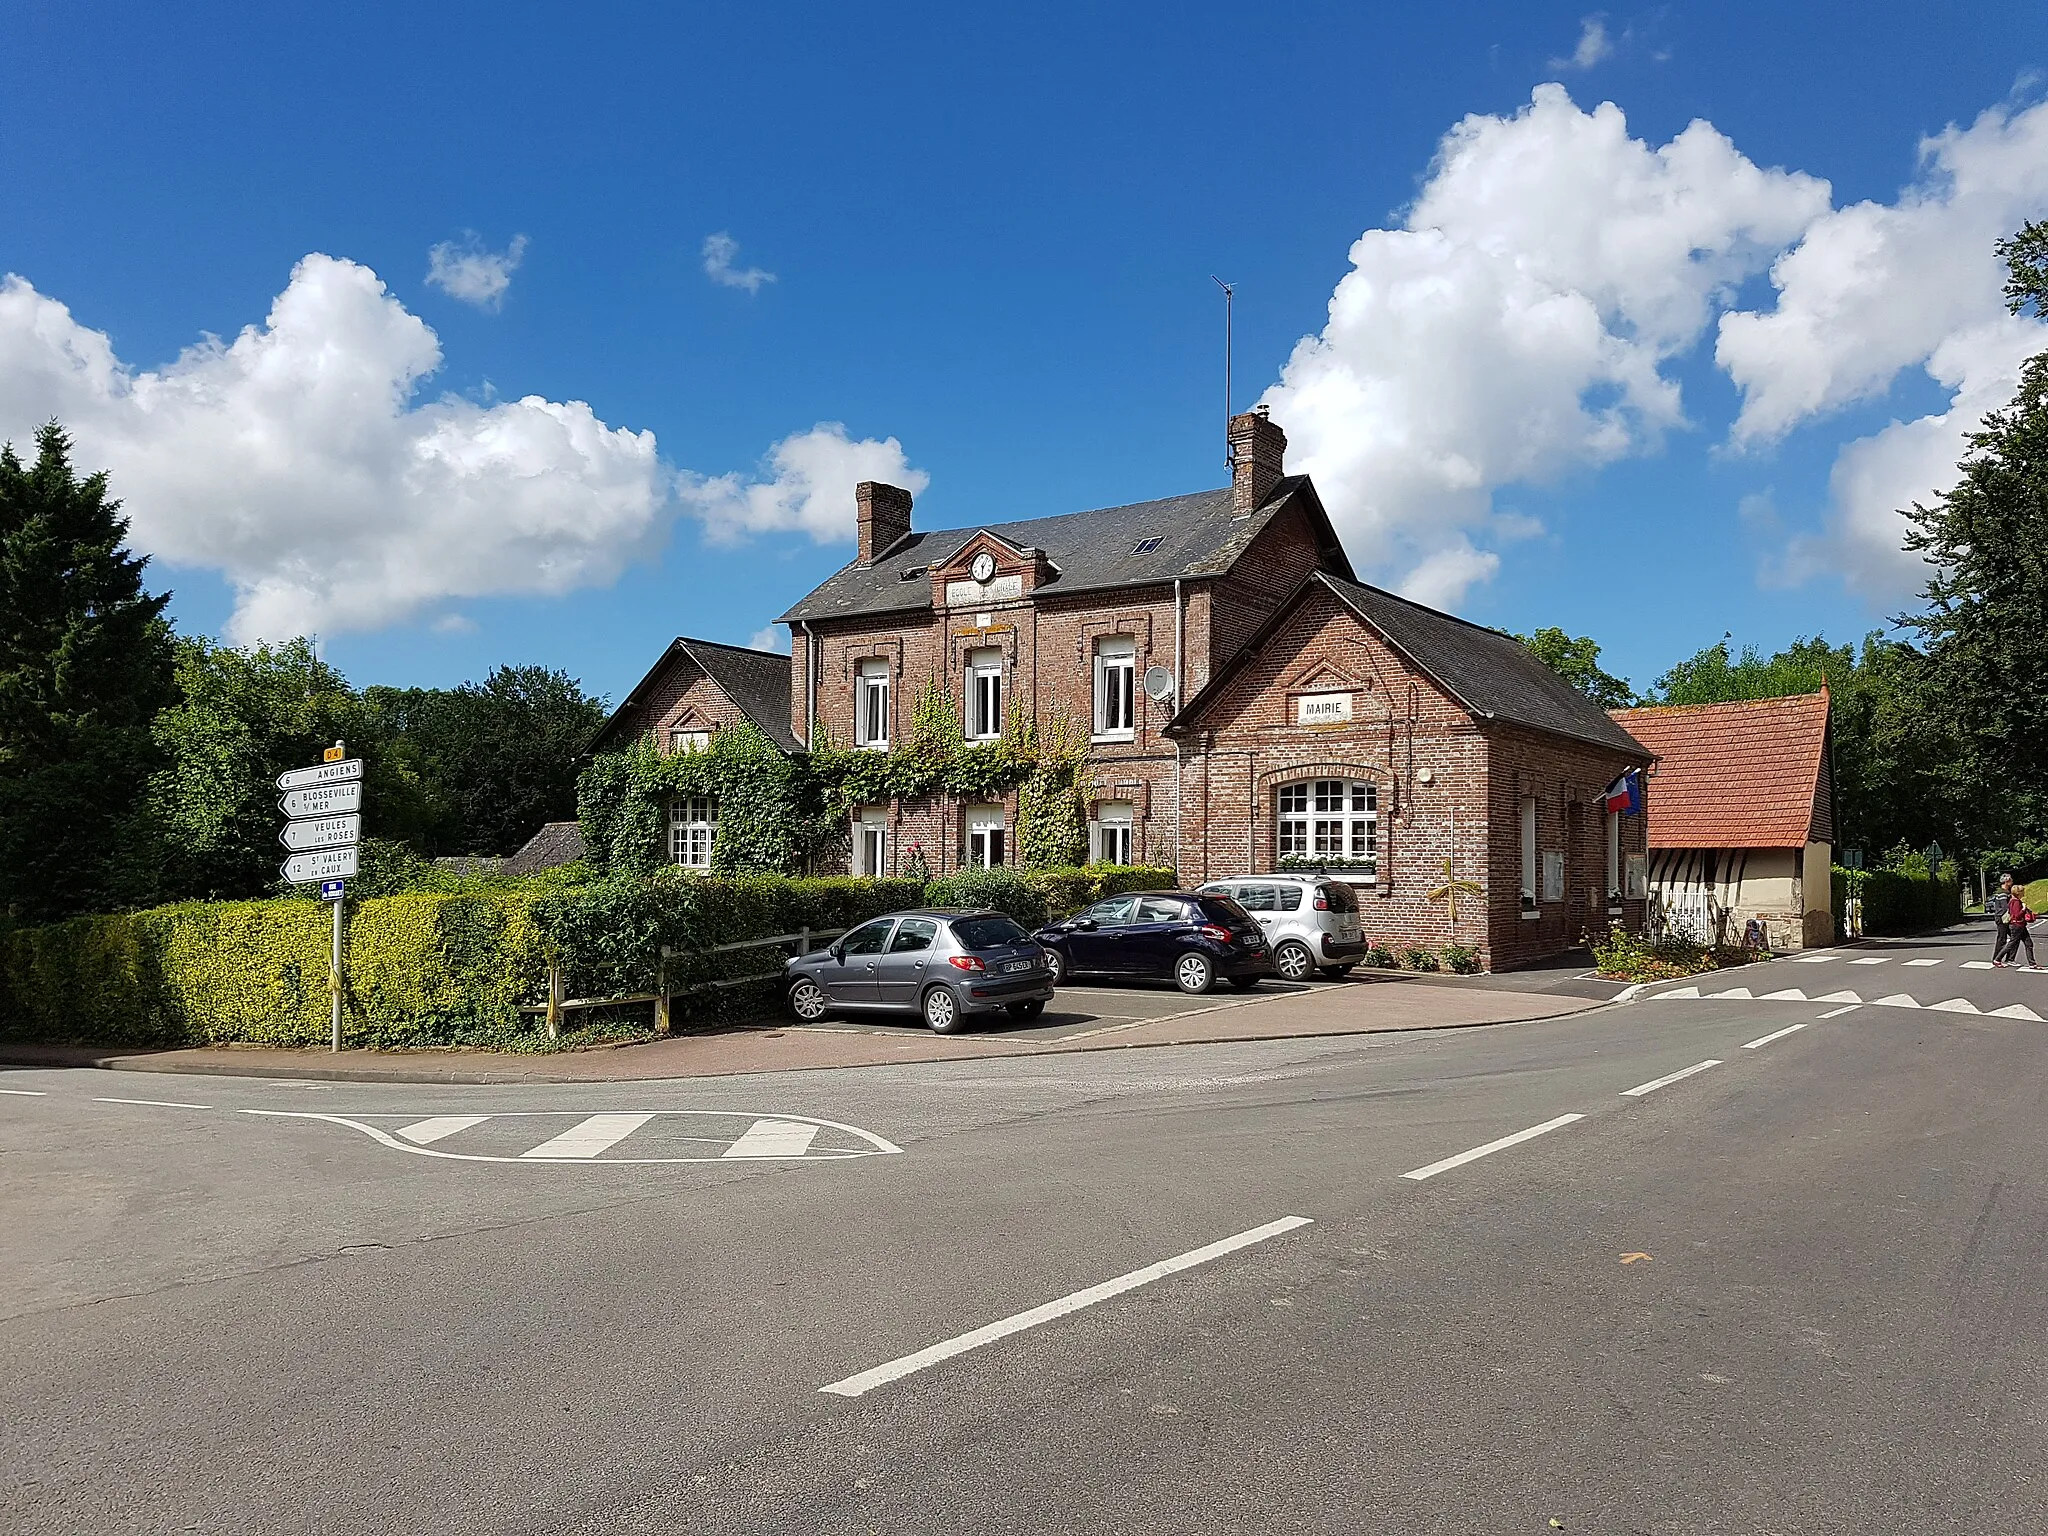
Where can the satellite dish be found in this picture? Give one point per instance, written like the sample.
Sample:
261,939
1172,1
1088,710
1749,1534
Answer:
1158,684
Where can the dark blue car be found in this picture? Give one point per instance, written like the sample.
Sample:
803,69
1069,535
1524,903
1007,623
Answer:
1191,938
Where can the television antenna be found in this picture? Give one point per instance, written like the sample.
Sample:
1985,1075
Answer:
1229,299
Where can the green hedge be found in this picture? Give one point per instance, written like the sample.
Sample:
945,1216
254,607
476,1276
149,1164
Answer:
1035,896
1904,900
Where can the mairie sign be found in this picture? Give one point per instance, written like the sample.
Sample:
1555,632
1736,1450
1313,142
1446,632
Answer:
326,832
322,800
326,773
327,864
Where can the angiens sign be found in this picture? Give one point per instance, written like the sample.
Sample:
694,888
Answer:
1322,709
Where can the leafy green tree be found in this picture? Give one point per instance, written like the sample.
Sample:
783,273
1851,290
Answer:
1577,661
497,759
85,662
1987,541
243,717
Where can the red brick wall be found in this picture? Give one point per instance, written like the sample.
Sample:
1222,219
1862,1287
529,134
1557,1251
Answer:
677,697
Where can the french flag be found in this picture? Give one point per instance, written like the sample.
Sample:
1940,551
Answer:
1625,794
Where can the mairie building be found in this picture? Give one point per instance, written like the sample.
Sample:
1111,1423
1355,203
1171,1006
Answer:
1250,706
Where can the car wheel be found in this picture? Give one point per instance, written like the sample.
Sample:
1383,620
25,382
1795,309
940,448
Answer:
1244,983
1193,973
1030,1010
1293,961
807,1001
1336,972
1057,964
942,1010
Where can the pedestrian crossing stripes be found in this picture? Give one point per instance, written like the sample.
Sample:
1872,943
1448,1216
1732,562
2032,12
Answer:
607,1138
1896,1000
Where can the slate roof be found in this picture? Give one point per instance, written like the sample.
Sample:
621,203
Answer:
1741,775
757,682
556,843
1492,674
1089,551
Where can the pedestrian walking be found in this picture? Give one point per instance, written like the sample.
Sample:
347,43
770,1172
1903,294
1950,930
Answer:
1999,904
2018,921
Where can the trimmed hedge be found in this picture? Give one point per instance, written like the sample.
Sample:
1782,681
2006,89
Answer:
1035,896
1904,900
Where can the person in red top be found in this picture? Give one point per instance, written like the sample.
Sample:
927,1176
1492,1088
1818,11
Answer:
2017,921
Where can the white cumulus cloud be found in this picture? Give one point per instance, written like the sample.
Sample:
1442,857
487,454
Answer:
1875,290
467,271
296,460
804,484
1518,325
771,637
1594,45
720,252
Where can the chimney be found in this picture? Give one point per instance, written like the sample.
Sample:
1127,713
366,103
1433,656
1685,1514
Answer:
1257,448
883,517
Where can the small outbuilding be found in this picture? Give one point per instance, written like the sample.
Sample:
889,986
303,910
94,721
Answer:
1742,818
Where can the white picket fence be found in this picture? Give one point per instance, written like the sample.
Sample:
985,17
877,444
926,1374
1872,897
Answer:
1690,915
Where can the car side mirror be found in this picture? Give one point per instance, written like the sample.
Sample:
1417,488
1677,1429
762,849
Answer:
1082,925
838,953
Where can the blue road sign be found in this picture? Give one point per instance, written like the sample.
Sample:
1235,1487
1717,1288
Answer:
331,890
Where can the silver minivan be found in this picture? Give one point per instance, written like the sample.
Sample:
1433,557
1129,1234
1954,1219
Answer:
1312,921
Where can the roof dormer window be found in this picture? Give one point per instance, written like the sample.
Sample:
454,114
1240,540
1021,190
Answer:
1145,546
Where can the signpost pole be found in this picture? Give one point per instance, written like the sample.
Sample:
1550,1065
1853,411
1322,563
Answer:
334,976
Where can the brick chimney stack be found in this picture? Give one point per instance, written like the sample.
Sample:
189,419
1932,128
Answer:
884,517
1257,449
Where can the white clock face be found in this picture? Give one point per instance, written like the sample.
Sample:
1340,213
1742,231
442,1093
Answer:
984,566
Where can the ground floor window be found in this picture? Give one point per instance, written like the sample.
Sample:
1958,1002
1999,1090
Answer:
987,837
1328,822
1114,820
871,844
692,829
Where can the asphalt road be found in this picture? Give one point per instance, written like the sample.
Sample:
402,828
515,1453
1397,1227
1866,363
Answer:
1799,1290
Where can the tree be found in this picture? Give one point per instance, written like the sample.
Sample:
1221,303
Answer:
85,662
497,759
1987,542
241,718
1577,661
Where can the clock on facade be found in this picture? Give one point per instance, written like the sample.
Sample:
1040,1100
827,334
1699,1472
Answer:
984,567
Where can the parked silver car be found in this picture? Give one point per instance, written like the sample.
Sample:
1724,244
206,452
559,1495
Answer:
1311,921
941,962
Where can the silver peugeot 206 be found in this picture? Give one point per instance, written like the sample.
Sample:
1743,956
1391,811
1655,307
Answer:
943,963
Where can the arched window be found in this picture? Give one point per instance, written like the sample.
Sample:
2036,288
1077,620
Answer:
1323,823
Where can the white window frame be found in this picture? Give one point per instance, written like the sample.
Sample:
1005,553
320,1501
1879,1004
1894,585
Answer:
871,702
983,705
693,830
988,837
1528,813
1328,821
1113,836
1116,688
871,844
689,739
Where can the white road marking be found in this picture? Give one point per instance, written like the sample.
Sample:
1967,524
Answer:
1898,1000
424,1131
26,1093
774,1138
1628,994
1871,960
1789,995
2015,1011
1731,992
1462,1158
896,1370
1978,965
1954,1005
1789,1029
1681,992
1669,1078
1839,997
1923,962
872,1145
1836,1013
589,1137
155,1103
1813,959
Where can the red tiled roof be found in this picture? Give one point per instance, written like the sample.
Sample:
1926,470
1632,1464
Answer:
1738,775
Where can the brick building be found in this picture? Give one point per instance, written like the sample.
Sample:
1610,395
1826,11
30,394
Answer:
1248,705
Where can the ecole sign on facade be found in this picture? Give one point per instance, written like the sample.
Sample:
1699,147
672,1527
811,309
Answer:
1250,706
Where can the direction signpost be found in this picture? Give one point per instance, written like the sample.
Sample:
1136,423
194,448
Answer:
323,830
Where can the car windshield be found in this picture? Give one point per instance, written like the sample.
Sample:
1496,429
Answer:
989,932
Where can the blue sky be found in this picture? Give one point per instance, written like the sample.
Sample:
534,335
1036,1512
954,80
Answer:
991,237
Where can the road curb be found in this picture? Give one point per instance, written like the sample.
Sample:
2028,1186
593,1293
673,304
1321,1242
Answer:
455,1077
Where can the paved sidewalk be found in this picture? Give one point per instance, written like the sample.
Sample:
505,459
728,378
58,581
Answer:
1357,1007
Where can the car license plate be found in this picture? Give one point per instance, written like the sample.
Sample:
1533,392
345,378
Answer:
1016,965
